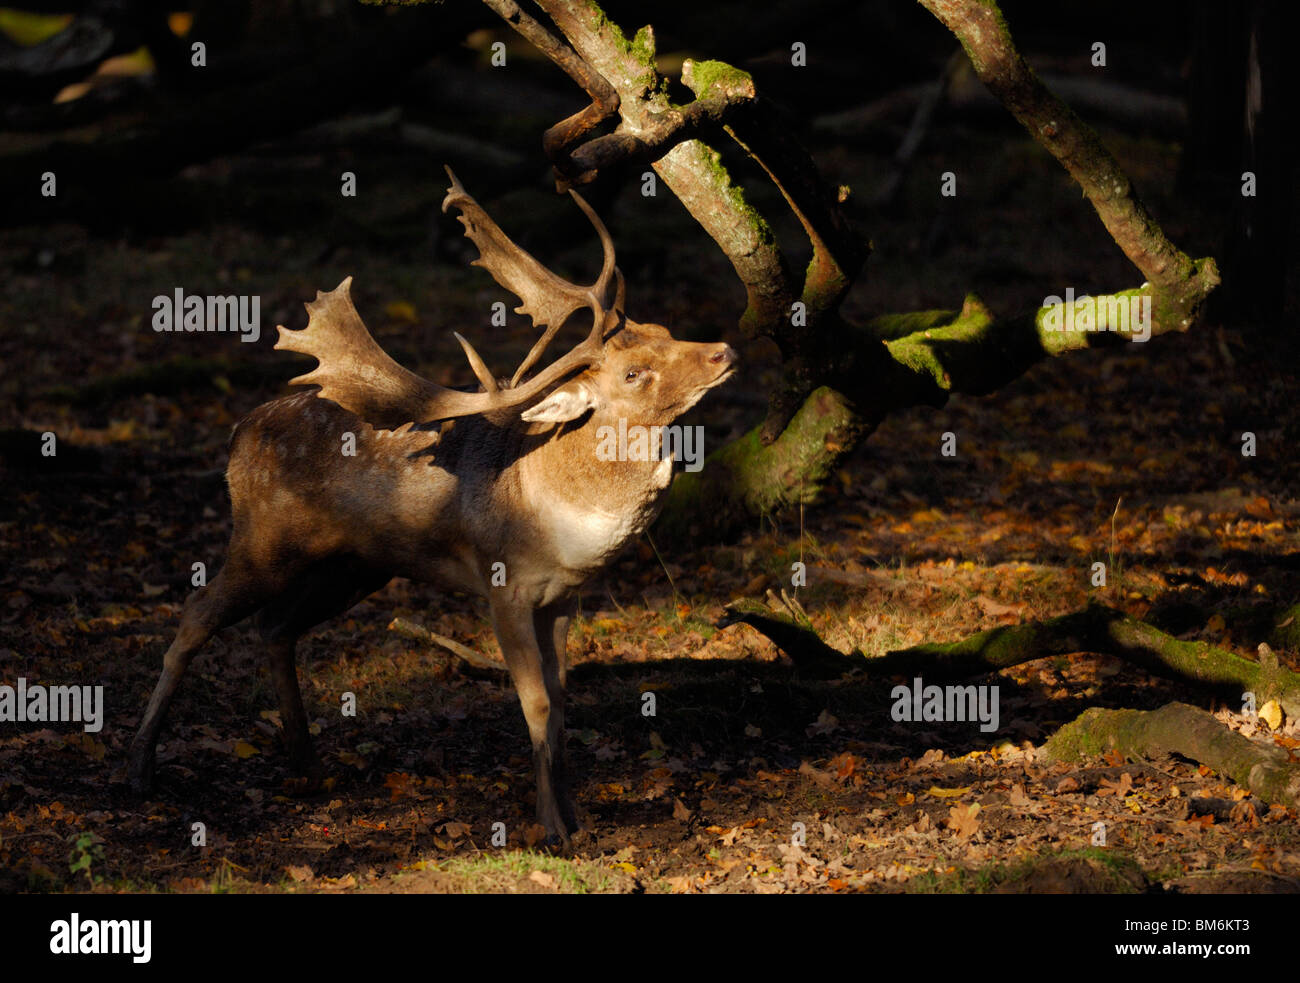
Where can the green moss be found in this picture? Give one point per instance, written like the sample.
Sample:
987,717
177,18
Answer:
600,24
735,195
745,478
1118,874
920,351
889,327
1077,741
642,47
707,74
1054,341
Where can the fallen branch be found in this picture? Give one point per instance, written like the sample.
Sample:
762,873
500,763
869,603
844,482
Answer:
1097,628
1176,728
931,98
419,633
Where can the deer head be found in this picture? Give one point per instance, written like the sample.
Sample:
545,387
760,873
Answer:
636,371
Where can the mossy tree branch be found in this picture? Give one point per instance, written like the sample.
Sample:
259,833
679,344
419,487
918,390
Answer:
560,139
1097,628
671,137
1181,283
1176,728
895,361
833,394
691,169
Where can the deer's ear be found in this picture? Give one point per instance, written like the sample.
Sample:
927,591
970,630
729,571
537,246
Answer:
565,404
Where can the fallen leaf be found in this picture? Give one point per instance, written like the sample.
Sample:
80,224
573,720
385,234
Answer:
964,821
826,723
996,609
398,784
816,774
948,793
1118,788
1271,714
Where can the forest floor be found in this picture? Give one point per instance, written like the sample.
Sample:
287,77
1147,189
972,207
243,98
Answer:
1131,457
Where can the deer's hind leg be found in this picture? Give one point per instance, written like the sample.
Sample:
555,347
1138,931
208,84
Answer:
236,592
323,591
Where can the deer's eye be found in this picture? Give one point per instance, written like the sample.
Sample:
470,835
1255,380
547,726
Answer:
632,375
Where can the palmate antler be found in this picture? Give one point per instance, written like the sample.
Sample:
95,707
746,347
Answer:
360,376
548,299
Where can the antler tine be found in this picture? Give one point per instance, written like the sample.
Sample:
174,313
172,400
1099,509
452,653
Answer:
620,291
356,373
534,354
599,290
477,364
601,287
588,352
545,297
548,299
606,318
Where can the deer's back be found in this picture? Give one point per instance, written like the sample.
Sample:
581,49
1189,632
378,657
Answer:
308,479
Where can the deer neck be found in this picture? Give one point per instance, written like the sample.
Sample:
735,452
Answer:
590,505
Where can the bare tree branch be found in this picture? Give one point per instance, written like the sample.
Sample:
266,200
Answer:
563,136
1181,283
690,169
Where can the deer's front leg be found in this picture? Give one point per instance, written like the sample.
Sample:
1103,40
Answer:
537,681
551,626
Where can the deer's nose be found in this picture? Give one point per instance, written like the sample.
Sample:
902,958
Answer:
726,355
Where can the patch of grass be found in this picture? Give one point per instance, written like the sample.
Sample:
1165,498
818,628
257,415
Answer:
511,870
1089,870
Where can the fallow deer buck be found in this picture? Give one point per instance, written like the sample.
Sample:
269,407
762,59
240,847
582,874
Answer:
444,484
